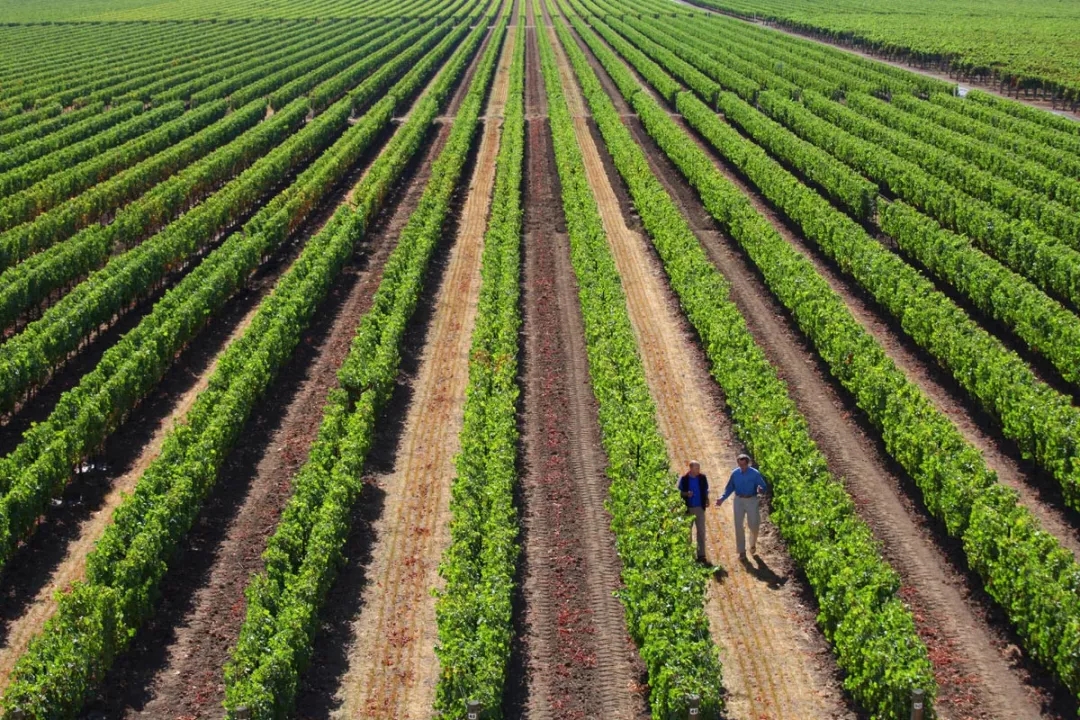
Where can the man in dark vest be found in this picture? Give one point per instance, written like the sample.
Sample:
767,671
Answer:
694,487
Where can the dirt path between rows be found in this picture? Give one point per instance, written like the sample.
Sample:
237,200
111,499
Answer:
970,656
976,677
176,670
573,657
1038,491
769,666
392,665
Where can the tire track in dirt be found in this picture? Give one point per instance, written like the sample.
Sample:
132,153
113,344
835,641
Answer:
393,668
768,670
976,677
573,569
573,656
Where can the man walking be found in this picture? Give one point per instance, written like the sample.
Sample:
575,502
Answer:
745,482
694,487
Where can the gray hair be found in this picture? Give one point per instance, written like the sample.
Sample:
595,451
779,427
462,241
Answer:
742,456
694,462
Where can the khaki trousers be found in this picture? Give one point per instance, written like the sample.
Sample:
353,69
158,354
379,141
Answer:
746,509
699,527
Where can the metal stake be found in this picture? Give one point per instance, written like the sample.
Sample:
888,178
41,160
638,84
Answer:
918,698
693,703
473,710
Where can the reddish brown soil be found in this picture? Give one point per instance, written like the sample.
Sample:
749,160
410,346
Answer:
575,656
572,657
535,98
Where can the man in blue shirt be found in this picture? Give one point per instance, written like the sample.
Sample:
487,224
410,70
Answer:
694,487
745,483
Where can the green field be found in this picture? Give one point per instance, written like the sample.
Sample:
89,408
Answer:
1028,45
351,352
18,11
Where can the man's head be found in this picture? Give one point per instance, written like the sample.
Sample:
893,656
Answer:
743,460
695,468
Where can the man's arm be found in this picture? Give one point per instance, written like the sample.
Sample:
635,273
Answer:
728,490
761,482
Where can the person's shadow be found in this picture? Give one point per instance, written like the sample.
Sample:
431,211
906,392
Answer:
763,572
